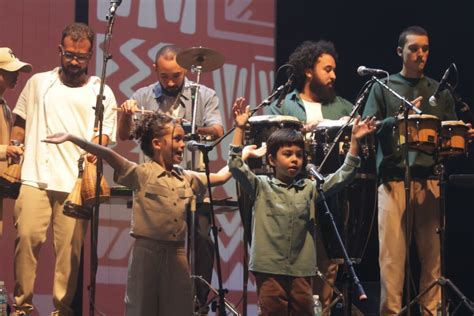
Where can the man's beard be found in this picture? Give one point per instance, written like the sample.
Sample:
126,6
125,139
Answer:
171,92
325,94
73,75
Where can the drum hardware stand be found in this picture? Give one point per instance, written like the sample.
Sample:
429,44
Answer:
348,262
406,106
228,304
205,149
99,116
345,297
442,281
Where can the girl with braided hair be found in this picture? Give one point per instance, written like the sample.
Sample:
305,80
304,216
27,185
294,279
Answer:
158,276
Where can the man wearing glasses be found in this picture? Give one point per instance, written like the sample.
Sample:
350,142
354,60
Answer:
56,101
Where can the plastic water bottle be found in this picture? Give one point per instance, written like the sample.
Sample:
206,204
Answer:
317,307
3,299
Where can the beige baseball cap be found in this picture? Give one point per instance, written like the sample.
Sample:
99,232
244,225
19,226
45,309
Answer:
9,62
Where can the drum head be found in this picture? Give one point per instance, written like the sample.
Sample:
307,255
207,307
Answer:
261,127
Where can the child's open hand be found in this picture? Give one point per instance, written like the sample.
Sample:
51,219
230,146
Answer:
241,112
362,128
251,151
57,138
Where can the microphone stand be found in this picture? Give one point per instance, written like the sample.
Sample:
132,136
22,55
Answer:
349,264
205,149
406,106
99,117
352,277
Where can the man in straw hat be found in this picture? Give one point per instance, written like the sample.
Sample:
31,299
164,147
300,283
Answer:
10,68
60,100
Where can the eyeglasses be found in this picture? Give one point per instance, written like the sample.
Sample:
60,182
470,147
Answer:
80,58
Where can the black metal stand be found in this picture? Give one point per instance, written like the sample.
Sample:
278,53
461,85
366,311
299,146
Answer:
442,281
205,149
99,116
405,107
347,261
344,296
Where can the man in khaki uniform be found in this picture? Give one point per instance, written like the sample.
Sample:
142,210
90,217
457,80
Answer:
10,68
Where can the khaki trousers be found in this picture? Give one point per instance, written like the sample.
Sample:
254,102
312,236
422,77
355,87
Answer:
424,219
35,210
158,281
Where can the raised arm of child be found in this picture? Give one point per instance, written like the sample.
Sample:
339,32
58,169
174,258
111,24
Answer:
359,130
115,160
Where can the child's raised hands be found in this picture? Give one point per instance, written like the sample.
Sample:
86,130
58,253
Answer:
241,112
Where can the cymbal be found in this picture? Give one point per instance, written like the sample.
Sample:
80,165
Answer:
207,58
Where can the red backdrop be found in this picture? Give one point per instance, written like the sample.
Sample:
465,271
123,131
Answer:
242,30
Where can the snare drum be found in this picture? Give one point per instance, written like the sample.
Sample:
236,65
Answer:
453,138
422,132
261,127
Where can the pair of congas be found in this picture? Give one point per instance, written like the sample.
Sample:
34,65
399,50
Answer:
427,134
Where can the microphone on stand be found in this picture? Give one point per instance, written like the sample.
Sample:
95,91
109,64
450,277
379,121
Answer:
193,145
114,4
442,85
364,71
312,170
284,90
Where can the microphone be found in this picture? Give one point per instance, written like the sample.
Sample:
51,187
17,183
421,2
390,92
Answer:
364,71
284,90
442,85
114,4
311,169
193,145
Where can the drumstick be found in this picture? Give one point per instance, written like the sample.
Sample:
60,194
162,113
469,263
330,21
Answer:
139,111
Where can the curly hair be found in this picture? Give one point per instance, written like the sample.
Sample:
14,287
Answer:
305,56
150,126
77,32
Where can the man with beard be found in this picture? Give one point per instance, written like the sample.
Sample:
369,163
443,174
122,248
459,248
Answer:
423,216
172,94
312,101
314,98
56,101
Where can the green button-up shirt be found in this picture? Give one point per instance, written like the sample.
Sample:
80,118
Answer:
283,216
294,106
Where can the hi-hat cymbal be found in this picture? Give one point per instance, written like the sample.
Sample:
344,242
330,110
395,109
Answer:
208,59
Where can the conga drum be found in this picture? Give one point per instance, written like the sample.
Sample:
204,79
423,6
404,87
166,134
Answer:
452,138
73,207
423,132
10,180
89,185
260,129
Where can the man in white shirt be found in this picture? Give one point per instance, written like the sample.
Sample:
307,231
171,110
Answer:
60,100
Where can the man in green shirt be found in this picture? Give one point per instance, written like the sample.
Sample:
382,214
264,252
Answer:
411,83
312,101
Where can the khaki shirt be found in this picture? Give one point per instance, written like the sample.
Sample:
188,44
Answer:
160,199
